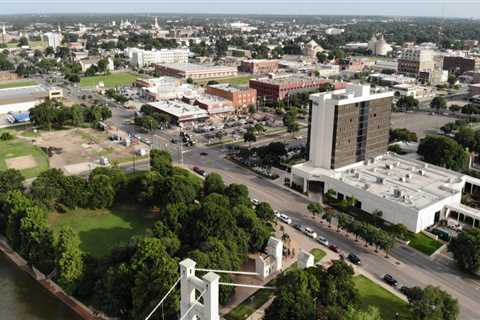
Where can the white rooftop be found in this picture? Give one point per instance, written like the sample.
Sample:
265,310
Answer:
412,183
180,109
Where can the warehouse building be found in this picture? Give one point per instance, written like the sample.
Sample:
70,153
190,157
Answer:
22,99
195,71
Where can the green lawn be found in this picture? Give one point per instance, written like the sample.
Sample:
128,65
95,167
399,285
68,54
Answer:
239,80
103,229
252,303
16,84
110,81
318,254
32,44
17,148
371,294
424,244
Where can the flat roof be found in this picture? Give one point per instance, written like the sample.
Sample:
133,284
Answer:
411,183
229,87
186,67
180,109
22,94
291,79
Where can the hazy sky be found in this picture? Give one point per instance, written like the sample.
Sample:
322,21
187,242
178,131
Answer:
445,8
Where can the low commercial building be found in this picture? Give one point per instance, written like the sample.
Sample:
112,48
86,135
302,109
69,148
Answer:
327,70
180,112
278,88
348,158
411,90
164,88
390,79
22,99
241,97
256,66
217,107
195,71
141,58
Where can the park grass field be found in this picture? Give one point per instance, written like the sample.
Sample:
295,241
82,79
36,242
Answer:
110,80
238,80
371,294
17,148
17,84
103,229
424,244
32,44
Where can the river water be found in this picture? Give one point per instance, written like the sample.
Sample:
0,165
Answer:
22,298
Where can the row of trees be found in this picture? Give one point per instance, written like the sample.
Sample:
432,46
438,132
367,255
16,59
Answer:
319,293
443,151
53,114
208,221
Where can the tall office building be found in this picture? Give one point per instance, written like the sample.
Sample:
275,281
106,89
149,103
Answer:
348,126
54,40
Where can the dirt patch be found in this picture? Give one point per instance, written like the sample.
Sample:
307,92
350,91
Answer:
21,163
81,145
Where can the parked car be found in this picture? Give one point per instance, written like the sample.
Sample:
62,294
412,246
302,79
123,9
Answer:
390,280
442,234
255,202
203,153
299,227
286,219
309,232
323,240
334,248
354,259
200,171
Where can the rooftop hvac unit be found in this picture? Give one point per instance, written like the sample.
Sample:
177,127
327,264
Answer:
421,172
357,175
408,176
397,193
380,180
402,179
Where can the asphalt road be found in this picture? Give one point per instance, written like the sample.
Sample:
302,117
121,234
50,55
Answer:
408,266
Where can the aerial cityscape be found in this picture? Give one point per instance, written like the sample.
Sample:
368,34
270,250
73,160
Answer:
239,160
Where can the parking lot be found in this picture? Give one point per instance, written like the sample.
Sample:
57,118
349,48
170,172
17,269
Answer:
420,123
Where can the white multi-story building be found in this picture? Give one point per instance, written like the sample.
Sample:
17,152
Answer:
140,58
53,39
410,192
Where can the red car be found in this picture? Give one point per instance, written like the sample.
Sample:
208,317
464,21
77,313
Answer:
334,248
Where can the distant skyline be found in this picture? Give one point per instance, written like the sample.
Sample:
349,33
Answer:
447,8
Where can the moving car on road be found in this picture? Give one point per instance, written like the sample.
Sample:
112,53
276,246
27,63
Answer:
354,259
390,280
199,171
334,248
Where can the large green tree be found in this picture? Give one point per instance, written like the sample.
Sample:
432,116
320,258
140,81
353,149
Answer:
69,261
434,304
11,179
442,151
466,250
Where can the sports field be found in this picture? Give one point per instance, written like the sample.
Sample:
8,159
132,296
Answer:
17,154
103,229
17,84
110,81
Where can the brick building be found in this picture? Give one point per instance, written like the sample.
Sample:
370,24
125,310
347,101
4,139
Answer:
241,97
259,66
459,65
274,89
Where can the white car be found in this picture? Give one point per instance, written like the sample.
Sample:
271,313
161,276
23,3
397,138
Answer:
323,240
309,232
255,202
277,214
286,219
